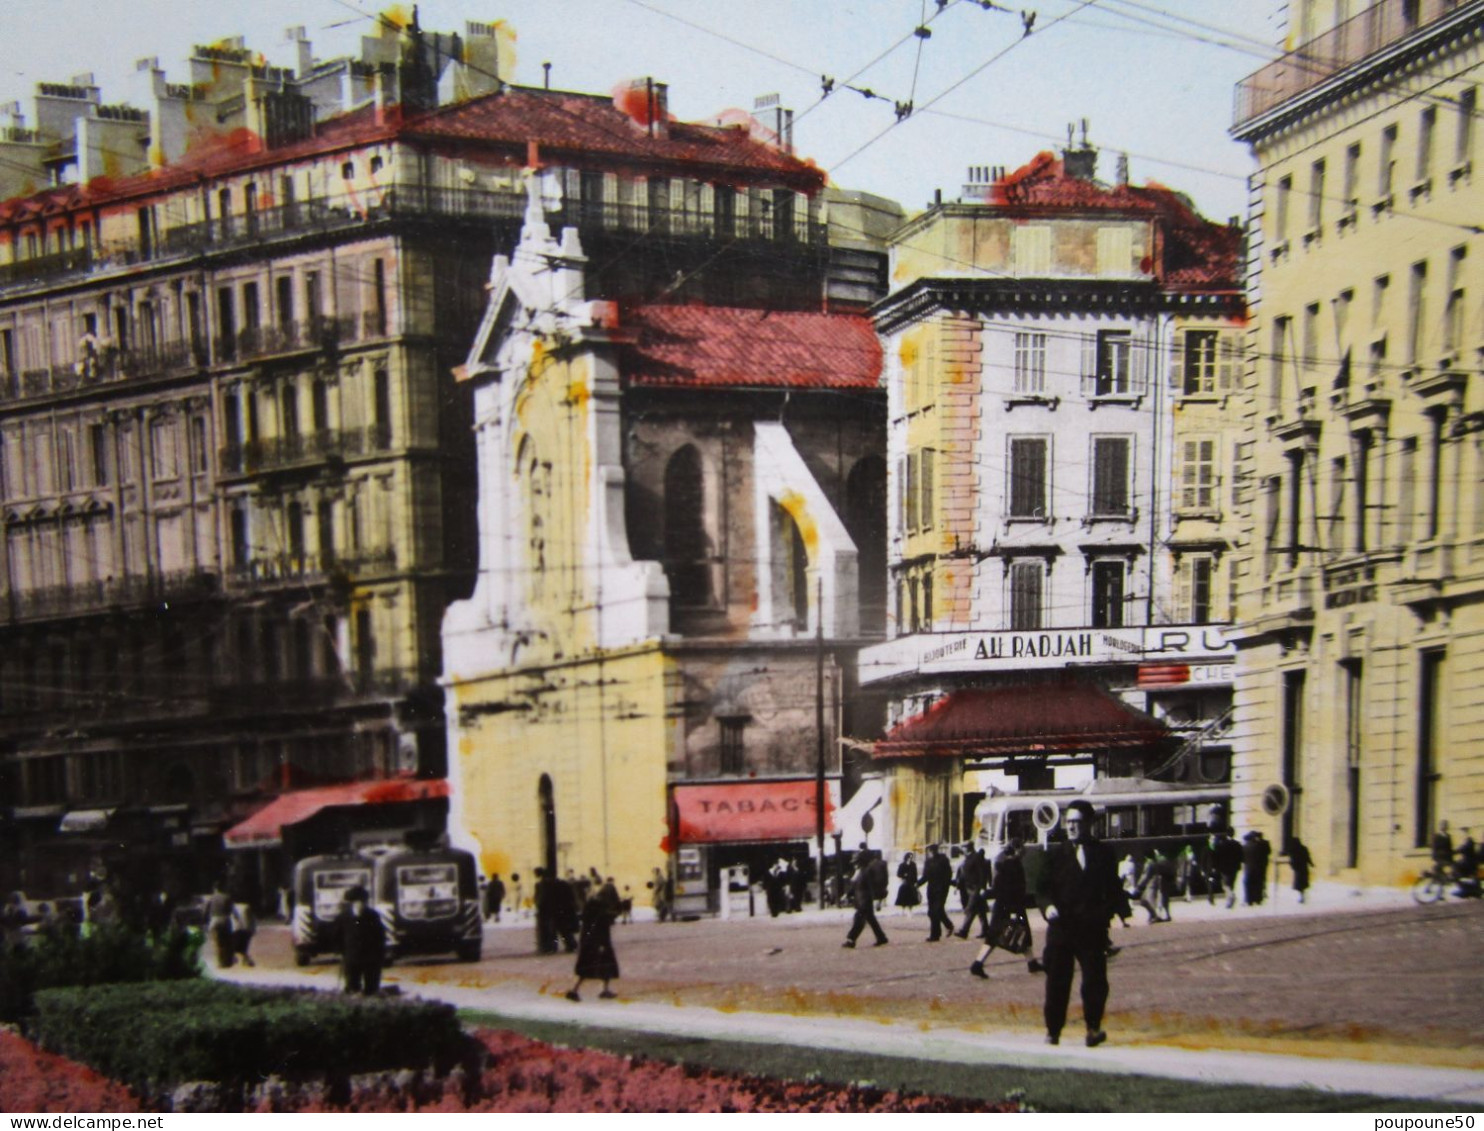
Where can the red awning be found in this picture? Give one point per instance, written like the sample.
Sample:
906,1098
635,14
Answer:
265,827
1059,717
754,810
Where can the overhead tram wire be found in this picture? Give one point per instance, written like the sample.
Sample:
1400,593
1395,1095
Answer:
995,58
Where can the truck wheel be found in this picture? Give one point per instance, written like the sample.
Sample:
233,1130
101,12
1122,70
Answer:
302,955
470,952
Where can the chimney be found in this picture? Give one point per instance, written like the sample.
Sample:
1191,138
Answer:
1080,162
305,61
1123,170
659,109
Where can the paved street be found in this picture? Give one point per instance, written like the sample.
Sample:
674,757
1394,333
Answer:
1268,995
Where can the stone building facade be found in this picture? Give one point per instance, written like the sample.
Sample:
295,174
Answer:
1060,357
1359,629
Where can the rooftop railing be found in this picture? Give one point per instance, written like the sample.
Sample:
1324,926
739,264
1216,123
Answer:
1361,36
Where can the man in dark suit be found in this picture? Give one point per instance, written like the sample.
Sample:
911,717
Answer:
937,876
1078,892
863,898
363,943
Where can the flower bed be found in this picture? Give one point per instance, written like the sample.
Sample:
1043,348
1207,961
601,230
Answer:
522,1075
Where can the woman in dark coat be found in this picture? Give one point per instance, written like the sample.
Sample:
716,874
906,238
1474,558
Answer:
595,956
907,896
1300,861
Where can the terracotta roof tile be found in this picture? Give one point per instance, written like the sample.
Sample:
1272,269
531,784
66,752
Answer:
732,347
1060,716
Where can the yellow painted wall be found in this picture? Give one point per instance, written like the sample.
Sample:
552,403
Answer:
1414,587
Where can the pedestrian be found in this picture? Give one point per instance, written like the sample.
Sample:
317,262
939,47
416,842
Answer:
1301,863
659,886
1008,927
595,954
907,897
1256,852
568,899
863,899
1078,893
518,896
219,924
494,897
362,943
546,900
937,876
775,888
1229,862
1156,885
244,927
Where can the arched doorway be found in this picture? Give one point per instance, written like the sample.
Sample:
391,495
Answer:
546,798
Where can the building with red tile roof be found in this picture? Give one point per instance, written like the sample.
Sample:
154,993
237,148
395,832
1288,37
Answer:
1059,355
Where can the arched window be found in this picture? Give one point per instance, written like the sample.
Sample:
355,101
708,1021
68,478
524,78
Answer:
865,519
790,569
689,551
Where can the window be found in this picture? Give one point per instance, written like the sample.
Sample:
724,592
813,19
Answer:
1426,128
382,408
1028,478
724,210
1352,177
294,531
320,405
1280,210
98,444
200,458
1386,166
1030,249
784,205
1110,469
1406,493
1295,506
226,324
1197,573
1030,362
325,524
1416,312
926,463
659,203
1309,360
1114,363
1282,332
688,542
378,313
1463,145
163,449
1316,196
1198,361
284,300
1107,594
1362,458
1197,482
913,466
1454,315
348,171
313,299
240,548
1026,582
732,750
289,411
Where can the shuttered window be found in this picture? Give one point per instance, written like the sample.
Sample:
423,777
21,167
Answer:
1110,464
1026,583
1028,477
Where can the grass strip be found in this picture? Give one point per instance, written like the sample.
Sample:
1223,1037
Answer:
1039,1089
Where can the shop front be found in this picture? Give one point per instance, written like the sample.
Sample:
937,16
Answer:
720,829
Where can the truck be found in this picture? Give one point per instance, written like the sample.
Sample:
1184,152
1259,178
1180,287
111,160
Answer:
320,884
429,900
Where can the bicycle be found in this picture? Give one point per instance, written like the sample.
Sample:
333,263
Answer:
1436,885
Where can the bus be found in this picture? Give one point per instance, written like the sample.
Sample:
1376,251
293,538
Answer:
429,900
1134,815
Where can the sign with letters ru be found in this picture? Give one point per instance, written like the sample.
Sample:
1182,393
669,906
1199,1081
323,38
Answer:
1046,648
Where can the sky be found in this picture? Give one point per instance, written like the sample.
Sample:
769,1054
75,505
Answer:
1153,78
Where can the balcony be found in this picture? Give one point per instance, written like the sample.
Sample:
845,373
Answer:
293,570
305,449
99,366
97,596
1376,28
790,226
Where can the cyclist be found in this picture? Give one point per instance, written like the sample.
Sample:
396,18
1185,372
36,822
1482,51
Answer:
1442,852
1466,867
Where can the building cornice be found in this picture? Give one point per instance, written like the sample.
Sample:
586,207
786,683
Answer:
1048,296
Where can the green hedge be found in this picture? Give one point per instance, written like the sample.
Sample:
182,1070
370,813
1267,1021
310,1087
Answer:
111,953
153,1035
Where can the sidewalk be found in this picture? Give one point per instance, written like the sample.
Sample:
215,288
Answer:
948,1044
